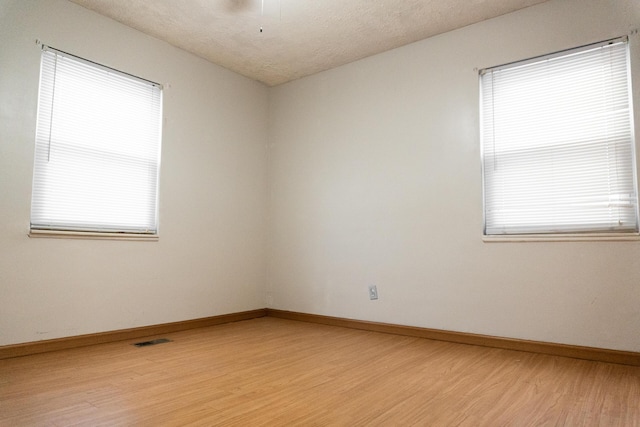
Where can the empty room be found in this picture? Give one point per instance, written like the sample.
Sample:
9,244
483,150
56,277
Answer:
319,213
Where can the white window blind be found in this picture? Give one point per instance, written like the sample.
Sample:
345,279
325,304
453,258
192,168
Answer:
557,143
97,153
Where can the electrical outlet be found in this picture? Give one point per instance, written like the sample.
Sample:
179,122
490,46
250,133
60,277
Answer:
373,292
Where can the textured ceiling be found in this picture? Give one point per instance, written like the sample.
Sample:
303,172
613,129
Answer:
299,37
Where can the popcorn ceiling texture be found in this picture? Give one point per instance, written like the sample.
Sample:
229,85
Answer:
299,37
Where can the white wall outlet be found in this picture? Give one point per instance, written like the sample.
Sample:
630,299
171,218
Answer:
373,292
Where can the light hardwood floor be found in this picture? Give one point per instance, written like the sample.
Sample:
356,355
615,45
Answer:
277,372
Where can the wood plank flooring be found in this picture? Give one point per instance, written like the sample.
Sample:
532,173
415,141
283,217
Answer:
276,372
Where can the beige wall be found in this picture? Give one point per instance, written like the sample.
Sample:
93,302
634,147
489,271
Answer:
374,178
210,258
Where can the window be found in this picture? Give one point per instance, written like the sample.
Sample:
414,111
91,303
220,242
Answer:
97,153
557,144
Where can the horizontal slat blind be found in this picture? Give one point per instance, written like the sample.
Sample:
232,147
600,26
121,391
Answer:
97,149
557,144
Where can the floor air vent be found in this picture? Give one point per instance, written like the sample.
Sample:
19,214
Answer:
152,342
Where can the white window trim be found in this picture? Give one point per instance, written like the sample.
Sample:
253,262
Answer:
88,235
587,237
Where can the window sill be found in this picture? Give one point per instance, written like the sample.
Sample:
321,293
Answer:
56,234
593,237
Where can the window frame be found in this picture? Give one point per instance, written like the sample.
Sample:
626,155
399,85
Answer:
111,231
537,236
